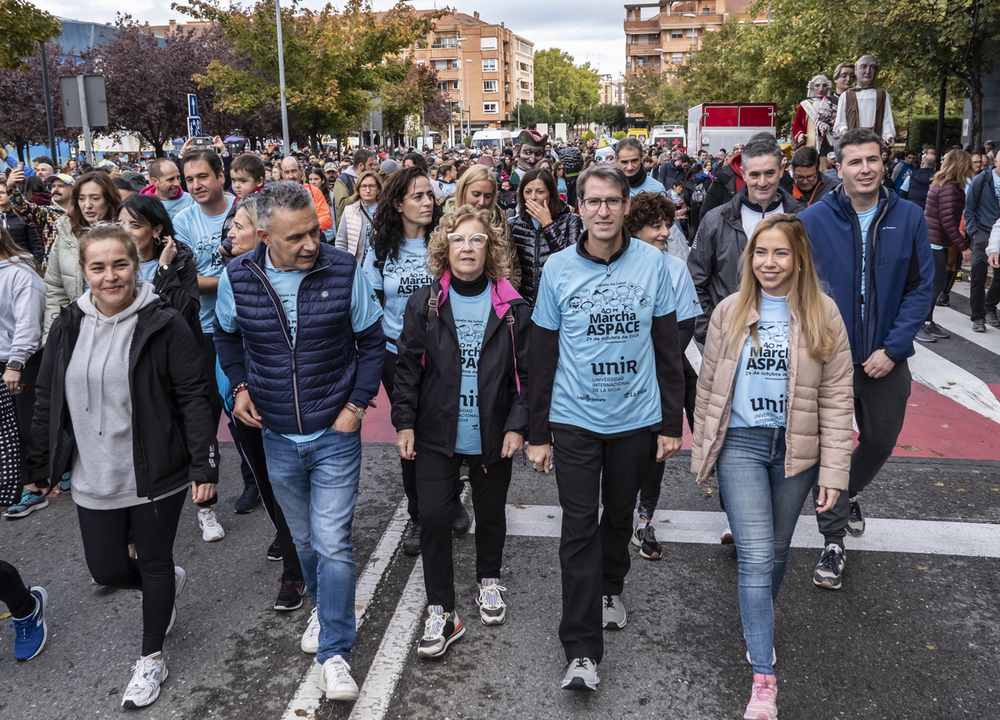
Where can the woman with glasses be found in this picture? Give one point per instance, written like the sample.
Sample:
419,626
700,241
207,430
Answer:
358,220
467,331
543,225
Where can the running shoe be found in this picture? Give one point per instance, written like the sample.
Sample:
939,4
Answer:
411,542
290,595
763,698
211,528
614,615
978,326
440,630
991,318
936,330
29,502
492,608
30,633
944,299
855,520
310,638
180,580
336,680
581,674
644,537
274,551
830,567
247,500
147,676
924,336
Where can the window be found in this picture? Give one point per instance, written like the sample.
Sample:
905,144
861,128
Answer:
490,108
442,86
445,42
676,35
488,43
706,11
489,65
489,86
677,58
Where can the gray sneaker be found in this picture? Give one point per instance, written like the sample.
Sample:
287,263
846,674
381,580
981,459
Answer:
581,674
978,326
924,336
855,520
936,330
830,567
991,318
614,612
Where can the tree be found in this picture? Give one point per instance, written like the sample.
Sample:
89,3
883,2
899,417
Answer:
574,89
24,26
656,96
406,95
532,115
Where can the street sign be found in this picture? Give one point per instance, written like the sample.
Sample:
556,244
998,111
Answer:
192,105
97,101
194,127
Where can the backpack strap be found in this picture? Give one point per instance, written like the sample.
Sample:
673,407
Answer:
513,345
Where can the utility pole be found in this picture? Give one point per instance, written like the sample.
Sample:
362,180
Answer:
281,81
48,105
548,97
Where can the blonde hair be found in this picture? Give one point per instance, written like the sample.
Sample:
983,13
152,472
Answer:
476,173
356,195
438,248
108,231
956,168
815,333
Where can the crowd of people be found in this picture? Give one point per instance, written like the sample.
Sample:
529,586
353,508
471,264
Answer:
526,299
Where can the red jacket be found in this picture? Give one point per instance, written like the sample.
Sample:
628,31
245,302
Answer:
943,213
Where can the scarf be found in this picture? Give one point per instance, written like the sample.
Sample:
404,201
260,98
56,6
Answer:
639,178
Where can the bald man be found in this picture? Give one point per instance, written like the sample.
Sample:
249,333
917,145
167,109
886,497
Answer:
291,171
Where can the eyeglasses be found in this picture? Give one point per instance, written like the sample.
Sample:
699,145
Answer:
594,204
369,186
458,240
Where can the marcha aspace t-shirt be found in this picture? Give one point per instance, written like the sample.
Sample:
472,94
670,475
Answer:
760,394
471,315
399,279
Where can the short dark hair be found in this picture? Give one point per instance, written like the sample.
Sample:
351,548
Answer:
649,208
148,210
555,202
626,143
763,144
206,155
805,156
417,159
361,157
857,136
250,164
602,171
43,159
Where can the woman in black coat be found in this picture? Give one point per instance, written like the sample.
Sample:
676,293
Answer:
460,396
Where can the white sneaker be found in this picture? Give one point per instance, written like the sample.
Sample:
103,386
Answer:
492,608
180,580
147,676
211,529
310,638
336,680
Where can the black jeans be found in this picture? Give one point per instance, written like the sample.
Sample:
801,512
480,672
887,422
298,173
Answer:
105,545
594,555
250,445
879,407
981,299
940,278
13,593
437,475
209,356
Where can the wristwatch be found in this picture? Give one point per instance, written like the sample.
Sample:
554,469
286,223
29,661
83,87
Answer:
359,413
19,366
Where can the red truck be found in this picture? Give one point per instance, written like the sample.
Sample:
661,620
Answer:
714,126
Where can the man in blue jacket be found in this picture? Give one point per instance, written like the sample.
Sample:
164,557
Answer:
299,335
982,208
873,252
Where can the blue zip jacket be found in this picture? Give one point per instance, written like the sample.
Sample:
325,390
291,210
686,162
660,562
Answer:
299,387
981,205
899,272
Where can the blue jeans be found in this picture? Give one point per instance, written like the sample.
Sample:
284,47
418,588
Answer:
762,506
316,485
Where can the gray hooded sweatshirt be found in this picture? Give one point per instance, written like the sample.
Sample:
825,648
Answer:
22,309
100,405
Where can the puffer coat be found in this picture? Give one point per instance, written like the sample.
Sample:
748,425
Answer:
943,213
535,245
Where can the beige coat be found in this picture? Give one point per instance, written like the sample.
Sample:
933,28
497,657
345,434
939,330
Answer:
63,276
820,399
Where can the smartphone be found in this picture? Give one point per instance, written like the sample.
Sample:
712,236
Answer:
19,165
202,142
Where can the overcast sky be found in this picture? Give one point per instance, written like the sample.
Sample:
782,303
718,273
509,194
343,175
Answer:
589,30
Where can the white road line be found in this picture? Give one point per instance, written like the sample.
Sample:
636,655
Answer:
938,373
962,288
396,647
306,699
961,325
922,537
693,355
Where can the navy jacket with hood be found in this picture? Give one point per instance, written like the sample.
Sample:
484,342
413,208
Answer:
899,271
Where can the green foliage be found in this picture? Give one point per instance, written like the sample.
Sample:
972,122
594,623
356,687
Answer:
588,136
467,141
24,26
620,135
574,89
923,131
532,115
656,96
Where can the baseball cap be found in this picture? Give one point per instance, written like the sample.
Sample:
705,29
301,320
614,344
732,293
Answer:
68,179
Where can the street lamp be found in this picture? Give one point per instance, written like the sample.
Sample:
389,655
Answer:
548,97
468,95
459,41
694,32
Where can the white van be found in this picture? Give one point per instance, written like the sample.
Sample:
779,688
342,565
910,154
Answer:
492,138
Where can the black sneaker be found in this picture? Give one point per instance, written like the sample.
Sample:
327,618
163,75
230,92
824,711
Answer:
440,631
411,542
991,318
644,538
247,501
936,330
978,326
460,522
944,299
274,553
855,520
290,595
830,568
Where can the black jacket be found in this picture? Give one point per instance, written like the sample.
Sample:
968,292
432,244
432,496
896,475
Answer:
426,390
723,188
173,437
535,246
24,235
177,285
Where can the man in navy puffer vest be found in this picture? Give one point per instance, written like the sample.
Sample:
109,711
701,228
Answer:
299,335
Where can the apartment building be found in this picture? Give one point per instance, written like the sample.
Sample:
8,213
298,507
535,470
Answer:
612,89
661,35
486,69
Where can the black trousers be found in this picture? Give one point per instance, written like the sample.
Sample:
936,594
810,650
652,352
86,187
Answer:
879,407
250,445
940,278
981,299
437,476
13,593
594,554
24,406
209,356
105,545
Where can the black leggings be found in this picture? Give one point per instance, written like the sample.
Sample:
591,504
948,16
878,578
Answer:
214,401
437,476
105,545
940,278
13,593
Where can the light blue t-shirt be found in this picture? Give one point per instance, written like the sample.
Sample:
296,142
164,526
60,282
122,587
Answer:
398,280
471,315
650,184
561,186
365,311
174,207
760,395
606,376
865,220
685,296
203,234
147,270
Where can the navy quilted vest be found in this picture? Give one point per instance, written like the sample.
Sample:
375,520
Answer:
300,388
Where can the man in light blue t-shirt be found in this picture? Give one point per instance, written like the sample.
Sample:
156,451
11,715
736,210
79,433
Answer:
628,156
608,389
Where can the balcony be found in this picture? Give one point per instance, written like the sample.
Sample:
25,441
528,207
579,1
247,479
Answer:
643,26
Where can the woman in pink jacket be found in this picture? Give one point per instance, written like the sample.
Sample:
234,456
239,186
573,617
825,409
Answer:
773,418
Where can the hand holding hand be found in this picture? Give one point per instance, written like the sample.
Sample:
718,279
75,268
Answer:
512,442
